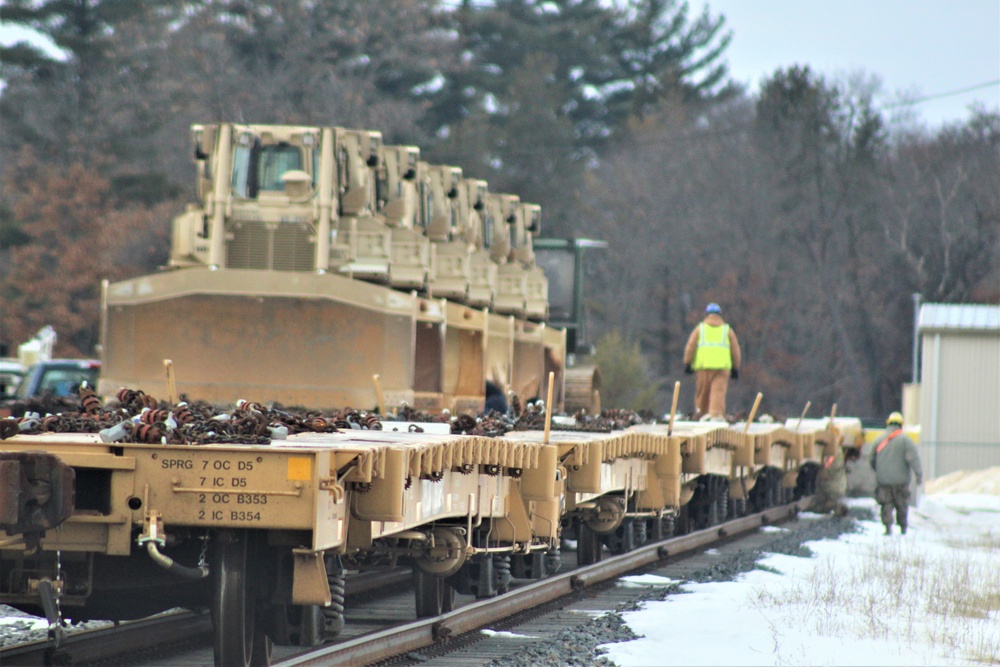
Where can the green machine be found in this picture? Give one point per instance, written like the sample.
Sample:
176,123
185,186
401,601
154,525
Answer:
564,262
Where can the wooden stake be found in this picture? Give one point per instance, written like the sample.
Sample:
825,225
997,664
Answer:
378,392
833,415
673,407
804,411
753,411
168,366
548,408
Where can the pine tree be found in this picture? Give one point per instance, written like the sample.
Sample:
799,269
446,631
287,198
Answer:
609,62
83,29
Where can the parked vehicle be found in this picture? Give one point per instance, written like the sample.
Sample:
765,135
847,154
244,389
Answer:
59,377
11,372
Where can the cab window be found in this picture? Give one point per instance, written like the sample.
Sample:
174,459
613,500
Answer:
274,161
241,171
65,381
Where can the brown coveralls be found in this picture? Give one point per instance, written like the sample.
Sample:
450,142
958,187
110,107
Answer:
711,384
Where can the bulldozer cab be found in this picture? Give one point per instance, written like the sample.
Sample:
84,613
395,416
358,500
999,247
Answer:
500,211
358,162
398,186
528,224
443,213
275,162
471,205
536,284
256,185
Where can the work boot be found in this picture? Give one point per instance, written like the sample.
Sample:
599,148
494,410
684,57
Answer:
888,530
902,528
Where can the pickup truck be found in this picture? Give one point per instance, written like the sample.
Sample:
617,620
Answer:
59,377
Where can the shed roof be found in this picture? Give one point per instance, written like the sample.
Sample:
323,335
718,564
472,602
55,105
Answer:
968,317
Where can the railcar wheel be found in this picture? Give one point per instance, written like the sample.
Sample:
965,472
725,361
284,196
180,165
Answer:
297,625
766,492
609,515
588,548
447,555
805,483
655,529
623,539
777,492
312,626
711,513
447,597
237,639
701,507
432,594
682,526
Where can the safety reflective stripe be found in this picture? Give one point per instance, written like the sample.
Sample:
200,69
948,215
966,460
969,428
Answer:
713,351
885,442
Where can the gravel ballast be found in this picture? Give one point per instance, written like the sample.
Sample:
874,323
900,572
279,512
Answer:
578,646
571,647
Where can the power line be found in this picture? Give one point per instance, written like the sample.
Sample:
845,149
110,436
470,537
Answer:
937,96
700,133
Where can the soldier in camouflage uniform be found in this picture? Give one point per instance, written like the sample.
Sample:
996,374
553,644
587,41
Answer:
831,485
894,458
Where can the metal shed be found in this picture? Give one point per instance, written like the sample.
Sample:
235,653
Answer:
959,387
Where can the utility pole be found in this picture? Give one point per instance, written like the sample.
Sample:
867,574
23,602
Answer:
916,336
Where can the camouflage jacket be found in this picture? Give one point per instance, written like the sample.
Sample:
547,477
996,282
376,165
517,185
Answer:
897,459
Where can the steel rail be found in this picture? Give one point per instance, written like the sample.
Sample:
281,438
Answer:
108,643
103,644
400,639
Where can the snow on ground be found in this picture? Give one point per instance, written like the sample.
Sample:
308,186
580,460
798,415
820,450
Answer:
645,581
931,597
504,633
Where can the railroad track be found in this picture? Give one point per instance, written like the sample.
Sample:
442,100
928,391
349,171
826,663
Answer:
397,641
169,631
186,637
174,633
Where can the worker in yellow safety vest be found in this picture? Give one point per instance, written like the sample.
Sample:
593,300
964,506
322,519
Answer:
713,353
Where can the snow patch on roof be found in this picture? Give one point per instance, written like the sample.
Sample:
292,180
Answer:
959,317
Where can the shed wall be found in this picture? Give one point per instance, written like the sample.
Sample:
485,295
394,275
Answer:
960,401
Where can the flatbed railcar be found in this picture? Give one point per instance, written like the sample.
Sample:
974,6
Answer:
262,534
124,530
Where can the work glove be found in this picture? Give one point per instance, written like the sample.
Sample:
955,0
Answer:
687,369
734,373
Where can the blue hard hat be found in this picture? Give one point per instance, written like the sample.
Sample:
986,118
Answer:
713,308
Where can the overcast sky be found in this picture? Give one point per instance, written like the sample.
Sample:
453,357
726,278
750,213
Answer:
920,48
